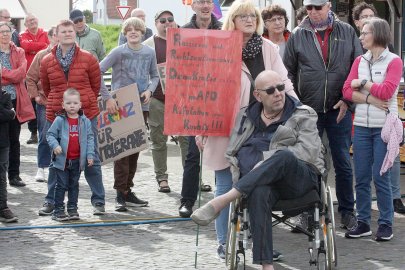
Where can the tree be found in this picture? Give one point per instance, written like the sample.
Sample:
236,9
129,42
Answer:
89,16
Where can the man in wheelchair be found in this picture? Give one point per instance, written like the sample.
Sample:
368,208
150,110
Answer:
275,153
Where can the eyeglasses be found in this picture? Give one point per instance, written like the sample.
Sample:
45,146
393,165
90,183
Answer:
168,19
318,8
5,32
6,17
275,19
244,17
202,2
365,33
366,17
272,89
78,20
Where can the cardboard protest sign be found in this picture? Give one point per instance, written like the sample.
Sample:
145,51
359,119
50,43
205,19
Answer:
203,69
124,133
162,75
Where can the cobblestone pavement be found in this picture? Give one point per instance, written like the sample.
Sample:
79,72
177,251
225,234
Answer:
170,245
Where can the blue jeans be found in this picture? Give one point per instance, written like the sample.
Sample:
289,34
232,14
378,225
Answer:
43,153
223,185
92,174
339,136
67,180
395,176
369,151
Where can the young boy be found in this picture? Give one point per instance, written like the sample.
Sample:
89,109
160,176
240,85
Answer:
131,63
72,141
7,114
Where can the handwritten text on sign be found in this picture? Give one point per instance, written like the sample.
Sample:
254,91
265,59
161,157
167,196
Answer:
203,69
124,133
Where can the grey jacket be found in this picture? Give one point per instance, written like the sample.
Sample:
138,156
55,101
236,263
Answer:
299,135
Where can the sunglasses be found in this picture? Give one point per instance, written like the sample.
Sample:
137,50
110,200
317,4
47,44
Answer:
272,89
78,20
318,8
163,20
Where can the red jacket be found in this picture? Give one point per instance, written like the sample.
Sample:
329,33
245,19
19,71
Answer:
84,76
32,44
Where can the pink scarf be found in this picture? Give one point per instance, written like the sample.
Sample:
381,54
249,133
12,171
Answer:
392,134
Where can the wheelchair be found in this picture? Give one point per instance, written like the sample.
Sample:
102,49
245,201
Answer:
317,205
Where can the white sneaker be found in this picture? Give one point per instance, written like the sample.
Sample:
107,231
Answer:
40,177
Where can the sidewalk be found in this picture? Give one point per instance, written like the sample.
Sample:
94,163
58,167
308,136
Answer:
168,245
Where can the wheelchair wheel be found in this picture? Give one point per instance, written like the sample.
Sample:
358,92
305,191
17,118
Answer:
331,230
231,258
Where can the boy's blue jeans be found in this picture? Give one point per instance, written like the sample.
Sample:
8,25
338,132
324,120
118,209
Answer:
67,180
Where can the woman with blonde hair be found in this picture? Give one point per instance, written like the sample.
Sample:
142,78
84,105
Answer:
258,54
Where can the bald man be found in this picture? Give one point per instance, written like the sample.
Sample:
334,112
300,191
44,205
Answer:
276,153
138,13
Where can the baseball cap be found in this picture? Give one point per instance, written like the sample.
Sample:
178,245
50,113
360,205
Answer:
159,13
76,14
315,2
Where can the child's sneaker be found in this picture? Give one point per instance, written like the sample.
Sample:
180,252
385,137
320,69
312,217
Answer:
362,229
73,214
7,216
384,233
60,216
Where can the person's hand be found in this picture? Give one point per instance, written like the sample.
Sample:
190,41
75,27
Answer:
200,142
146,96
111,106
355,84
57,150
90,162
381,104
38,100
342,106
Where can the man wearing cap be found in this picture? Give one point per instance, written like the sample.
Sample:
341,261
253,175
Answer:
89,39
318,57
163,20
140,14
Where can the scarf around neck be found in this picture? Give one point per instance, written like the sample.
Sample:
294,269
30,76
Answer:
66,61
253,47
324,24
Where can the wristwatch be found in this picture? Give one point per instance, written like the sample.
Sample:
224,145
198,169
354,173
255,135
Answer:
363,83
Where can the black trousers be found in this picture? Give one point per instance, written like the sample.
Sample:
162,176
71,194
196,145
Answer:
14,150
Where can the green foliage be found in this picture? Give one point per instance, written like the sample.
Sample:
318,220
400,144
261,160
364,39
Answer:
89,15
109,33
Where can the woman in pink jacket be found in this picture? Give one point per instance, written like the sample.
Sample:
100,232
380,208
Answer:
258,54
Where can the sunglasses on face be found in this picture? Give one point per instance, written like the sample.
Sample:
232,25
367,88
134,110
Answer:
163,20
272,89
78,20
310,7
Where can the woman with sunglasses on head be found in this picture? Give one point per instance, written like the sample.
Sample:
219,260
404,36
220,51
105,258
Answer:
275,26
258,54
373,86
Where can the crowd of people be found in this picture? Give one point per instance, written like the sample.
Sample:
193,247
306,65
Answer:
295,86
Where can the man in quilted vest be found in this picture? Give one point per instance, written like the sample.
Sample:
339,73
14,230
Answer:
68,66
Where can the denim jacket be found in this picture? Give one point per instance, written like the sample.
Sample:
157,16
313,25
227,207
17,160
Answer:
58,134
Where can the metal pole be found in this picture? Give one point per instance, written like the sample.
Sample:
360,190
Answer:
199,204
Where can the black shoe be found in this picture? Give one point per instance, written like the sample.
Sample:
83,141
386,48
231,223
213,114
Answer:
7,216
277,255
46,209
16,181
120,204
73,214
205,187
186,209
33,139
399,206
60,216
132,200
